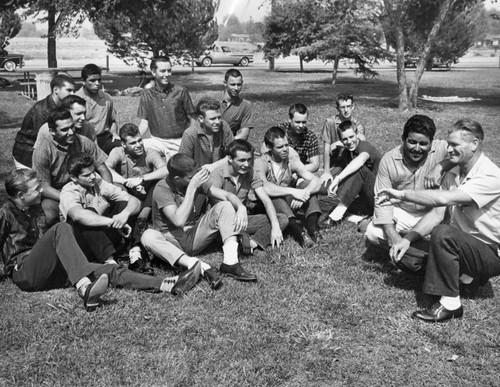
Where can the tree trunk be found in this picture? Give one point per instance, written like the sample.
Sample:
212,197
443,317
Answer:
271,63
301,64
335,69
51,38
443,11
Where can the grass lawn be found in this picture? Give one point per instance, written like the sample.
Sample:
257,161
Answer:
337,314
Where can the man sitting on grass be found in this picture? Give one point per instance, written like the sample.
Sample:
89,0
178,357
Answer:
463,254
137,170
238,177
182,227
276,169
37,259
100,211
354,173
51,157
406,167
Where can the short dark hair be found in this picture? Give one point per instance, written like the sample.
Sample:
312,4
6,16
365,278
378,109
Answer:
344,97
239,145
17,181
232,73
297,108
346,125
272,134
180,165
78,162
153,66
420,123
59,80
90,69
128,130
68,101
58,114
471,126
205,104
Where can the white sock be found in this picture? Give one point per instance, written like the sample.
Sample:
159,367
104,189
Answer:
187,261
450,303
230,250
168,283
82,284
134,254
338,213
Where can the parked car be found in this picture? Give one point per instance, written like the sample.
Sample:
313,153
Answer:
436,63
9,62
224,55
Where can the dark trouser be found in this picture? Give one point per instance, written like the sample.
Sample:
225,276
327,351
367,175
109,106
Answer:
259,228
453,253
415,259
282,204
361,183
106,143
57,258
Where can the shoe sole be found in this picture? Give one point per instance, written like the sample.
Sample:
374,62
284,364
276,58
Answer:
96,290
187,280
242,279
217,284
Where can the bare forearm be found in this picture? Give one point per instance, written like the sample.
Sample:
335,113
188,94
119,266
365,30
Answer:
157,174
242,134
50,192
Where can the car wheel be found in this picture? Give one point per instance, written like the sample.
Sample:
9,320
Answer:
244,62
206,62
9,66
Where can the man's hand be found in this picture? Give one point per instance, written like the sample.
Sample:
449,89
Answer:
241,219
199,178
133,182
119,220
399,249
296,204
336,145
209,167
334,186
325,178
433,178
126,231
276,237
389,197
302,195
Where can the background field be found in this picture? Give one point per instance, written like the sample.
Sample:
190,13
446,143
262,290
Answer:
337,314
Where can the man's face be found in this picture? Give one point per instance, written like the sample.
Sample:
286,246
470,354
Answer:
234,86
33,194
461,147
345,109
211,121
280,149
349,139
162,73
241,163
64,91
416,147
298,123
86,178
78,114
134,145
64,132
93,83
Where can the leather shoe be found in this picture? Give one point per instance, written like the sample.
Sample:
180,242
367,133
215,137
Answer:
437,313
305,240
187,280
237,272
327,223
93,293
141,266
213,278
316,237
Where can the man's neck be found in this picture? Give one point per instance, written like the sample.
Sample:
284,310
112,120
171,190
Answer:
161,87
228,98
55,99
19,204
466,167
276,159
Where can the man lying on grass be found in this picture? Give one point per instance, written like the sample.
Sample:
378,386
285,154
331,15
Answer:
183,227
37,260
464,254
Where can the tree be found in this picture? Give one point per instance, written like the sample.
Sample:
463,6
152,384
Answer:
10,25
133,29
430,27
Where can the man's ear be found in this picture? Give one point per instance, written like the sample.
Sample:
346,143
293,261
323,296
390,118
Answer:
200,118
73,178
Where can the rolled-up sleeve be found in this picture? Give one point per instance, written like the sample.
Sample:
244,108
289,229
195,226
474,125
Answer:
383,215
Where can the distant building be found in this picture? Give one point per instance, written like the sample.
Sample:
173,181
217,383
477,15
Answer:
489,41
241,38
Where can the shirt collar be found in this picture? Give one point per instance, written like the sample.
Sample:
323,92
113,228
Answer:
167,90
225,99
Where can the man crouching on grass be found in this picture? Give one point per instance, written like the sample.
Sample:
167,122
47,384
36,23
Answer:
37,260
464,254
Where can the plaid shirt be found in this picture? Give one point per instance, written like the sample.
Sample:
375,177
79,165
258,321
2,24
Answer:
26,137
19,231
306,146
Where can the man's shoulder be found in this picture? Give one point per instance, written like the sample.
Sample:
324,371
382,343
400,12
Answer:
70,188
7,210
118,153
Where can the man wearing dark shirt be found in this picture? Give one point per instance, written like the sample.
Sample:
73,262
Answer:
37,260
61,86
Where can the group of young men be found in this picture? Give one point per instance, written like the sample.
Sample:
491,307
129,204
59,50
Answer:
187,178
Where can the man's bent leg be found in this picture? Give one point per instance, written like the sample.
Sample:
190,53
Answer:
51,209
155,242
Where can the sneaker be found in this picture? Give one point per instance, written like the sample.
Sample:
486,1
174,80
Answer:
187,280
305,240
93,292
237,272
213,278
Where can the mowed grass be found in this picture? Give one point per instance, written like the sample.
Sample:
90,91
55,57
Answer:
337,314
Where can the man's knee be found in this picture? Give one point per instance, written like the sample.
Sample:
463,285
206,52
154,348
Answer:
149,237
374,234
282,220
442,233
224,207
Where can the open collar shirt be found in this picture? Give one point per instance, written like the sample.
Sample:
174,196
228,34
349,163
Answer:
101,112
237,113
242,187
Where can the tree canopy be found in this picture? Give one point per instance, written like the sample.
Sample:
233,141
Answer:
10,25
